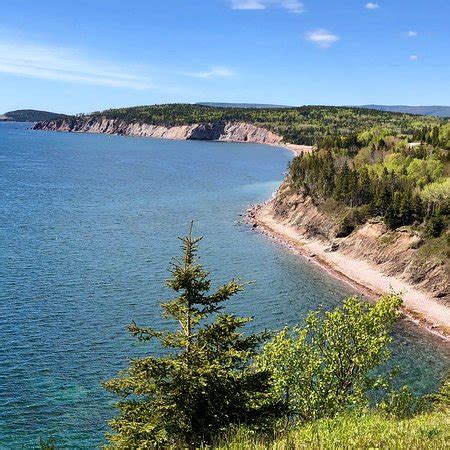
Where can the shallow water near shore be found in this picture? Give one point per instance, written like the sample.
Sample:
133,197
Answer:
88,228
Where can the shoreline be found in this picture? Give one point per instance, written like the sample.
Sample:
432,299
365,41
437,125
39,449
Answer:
237,132
418,307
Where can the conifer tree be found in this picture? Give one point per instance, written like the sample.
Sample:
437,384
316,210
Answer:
205,382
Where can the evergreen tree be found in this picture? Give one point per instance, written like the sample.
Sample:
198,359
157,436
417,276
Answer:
205,382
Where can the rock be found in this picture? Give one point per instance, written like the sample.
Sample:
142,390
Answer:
334,246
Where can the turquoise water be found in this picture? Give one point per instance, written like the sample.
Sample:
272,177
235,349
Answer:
88,227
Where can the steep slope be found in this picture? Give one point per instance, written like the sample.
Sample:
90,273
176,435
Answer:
219,131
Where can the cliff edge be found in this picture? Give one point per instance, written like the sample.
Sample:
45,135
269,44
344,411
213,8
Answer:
217,131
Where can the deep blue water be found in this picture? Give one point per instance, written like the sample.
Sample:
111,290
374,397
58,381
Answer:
88,227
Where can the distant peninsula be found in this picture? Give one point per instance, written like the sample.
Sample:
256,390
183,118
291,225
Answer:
29,115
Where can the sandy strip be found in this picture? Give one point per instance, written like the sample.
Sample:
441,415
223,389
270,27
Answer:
298,149
361,275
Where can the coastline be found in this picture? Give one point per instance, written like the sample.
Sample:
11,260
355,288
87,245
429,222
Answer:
418,306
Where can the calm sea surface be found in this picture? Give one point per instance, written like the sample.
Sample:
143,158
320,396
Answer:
88,224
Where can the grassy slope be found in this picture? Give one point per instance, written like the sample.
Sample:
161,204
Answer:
356,431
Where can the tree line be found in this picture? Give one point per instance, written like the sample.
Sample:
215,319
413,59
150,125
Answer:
388,178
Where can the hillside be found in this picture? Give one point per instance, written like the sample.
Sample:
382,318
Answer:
29,115
306,125
375,211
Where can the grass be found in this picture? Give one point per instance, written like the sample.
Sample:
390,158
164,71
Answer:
368,430
435,247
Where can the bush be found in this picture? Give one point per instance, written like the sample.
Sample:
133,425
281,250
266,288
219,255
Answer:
327,365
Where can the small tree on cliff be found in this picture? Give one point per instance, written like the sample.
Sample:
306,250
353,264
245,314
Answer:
206,381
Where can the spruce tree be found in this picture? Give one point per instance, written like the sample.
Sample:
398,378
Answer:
205,381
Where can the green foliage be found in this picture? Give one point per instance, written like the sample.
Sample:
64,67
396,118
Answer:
441,399
205,382
359,430
444,135
437,193
402,403
327,365
403,184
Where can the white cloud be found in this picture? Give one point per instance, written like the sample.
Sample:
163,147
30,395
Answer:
371,5
247,4
413,58
293,6
323,38
214,72
412,33
65,65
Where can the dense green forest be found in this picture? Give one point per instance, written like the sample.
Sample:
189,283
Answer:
375,173
302,125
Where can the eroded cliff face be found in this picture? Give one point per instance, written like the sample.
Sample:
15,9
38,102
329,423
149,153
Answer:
218,131
402,253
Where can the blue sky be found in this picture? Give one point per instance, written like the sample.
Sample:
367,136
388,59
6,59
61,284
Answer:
89,55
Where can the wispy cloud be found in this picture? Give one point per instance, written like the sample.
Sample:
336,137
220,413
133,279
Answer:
213,72
323,38
372,6
66,65
412,33
293,6
413,58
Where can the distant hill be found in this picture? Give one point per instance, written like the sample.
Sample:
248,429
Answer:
29,115
241,105
439,111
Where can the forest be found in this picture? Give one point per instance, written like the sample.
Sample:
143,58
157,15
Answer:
377,174
302,125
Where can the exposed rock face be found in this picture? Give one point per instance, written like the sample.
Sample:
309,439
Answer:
218,131
395,253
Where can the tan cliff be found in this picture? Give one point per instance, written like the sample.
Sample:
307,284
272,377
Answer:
218,131
396,253
372,258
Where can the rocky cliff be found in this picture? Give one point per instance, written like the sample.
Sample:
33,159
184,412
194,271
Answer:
401,253
218,131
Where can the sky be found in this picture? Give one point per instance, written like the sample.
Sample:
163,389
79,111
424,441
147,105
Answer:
91,55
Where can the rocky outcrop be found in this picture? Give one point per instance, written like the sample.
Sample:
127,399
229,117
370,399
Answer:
401,253
217,131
